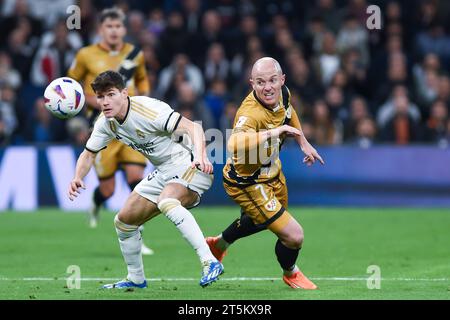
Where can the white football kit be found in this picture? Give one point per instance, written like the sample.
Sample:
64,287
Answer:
148,127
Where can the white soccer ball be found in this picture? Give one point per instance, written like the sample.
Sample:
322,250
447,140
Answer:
64,98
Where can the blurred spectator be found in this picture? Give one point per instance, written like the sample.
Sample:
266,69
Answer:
227,118
215,100
15,14
353,35
365,134
88,20
211,32
21,50
156,22
328,59
78,130
188,100
326,9
180,70
43,127
216,64
434,40
8,76
135,25
192,12
444,89
334,98
388,110
300,78
397,74
173,39
55,54
436,125
358,112
49,11
426,79
324,128
401,128
8,119
312,38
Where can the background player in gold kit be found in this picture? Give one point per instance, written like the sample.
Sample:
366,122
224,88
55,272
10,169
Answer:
112,53
253,176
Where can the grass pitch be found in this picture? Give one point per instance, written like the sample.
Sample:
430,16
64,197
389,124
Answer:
410,246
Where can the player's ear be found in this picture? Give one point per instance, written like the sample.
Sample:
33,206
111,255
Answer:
283,79
125,92
252,83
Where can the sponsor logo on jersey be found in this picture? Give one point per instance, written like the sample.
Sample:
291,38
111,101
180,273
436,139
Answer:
140,134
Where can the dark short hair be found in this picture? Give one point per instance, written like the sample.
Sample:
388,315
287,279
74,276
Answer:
108,80
112,13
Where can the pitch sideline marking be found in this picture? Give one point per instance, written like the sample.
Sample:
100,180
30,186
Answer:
229,279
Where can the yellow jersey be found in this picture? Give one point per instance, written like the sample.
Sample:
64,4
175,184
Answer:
92,60
259,165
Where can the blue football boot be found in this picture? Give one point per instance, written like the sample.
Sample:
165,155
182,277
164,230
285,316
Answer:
124,284
211,272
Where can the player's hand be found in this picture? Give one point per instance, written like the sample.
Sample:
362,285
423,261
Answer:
74,188
311,154
203,164
287,130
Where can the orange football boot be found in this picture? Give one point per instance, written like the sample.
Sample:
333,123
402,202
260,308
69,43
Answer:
299,281
219,254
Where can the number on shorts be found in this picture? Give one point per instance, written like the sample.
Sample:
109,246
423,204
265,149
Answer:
261,188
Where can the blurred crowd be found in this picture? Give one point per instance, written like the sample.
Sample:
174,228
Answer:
349,84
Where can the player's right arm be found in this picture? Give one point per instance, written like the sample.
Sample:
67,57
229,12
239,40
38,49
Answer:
84,164
98,140
245,137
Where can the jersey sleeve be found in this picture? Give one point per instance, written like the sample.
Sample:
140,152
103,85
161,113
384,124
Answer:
140,76
244,122
100,136
78,68
168,119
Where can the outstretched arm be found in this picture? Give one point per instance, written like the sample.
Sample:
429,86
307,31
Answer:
84,164
311,154
248,140
195,132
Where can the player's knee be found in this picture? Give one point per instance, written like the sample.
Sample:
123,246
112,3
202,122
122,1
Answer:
295,239
123,229
167,204
107,189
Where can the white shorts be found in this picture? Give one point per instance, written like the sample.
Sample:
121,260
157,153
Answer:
193,179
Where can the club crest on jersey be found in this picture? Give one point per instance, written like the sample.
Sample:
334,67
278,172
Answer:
140,134
271,205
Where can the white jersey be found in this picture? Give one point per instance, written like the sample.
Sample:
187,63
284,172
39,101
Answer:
148,127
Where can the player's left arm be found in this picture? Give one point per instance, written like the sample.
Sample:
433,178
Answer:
140,76
311,154
197,135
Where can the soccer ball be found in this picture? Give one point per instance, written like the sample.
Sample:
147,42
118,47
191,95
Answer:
64,98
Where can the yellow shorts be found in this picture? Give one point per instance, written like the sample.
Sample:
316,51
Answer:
108,161
265,203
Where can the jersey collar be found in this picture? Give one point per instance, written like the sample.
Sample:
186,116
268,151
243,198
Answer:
126,115
264,105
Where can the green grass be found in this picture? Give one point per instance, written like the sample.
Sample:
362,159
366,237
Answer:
409,245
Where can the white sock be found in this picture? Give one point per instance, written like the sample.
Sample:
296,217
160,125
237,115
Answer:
130,242
188,227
